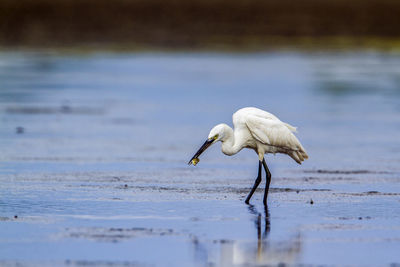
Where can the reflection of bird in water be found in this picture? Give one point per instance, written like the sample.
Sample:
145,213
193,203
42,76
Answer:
267,226
266,252
258,130
258,223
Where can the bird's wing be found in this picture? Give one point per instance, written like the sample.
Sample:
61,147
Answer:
242,114
272,132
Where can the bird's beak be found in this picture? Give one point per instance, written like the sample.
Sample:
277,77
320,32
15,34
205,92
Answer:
206,144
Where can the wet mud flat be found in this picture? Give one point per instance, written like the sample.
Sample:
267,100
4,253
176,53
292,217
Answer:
94,151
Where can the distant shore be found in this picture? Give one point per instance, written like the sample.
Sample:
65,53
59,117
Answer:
200,24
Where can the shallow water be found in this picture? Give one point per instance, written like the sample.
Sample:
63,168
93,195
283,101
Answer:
94,150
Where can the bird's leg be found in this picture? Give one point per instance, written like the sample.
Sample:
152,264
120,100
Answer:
256,183
268,181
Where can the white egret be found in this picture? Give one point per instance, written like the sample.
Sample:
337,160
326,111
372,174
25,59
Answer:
258,130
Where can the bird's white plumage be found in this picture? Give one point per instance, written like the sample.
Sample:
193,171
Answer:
259,130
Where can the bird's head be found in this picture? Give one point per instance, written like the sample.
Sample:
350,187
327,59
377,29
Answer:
216,134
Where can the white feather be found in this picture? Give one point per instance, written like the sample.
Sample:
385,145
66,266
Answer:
265,133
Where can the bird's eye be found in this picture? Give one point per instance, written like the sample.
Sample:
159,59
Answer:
216,137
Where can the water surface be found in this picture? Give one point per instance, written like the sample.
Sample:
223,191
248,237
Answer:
94,150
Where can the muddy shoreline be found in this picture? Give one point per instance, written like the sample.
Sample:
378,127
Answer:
197,25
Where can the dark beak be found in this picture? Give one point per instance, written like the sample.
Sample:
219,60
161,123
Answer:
201,149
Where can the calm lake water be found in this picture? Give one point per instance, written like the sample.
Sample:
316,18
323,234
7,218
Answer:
94,150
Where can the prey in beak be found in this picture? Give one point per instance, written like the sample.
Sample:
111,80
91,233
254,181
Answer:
195,159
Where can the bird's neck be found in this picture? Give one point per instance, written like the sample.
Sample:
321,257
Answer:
229,146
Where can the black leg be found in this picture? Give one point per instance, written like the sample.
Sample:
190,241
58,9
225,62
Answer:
268,181
256,183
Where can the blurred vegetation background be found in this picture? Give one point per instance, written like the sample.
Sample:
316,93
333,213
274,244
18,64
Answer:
199,24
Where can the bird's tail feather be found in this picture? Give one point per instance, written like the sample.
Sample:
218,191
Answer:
295,156
304,153
299,155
